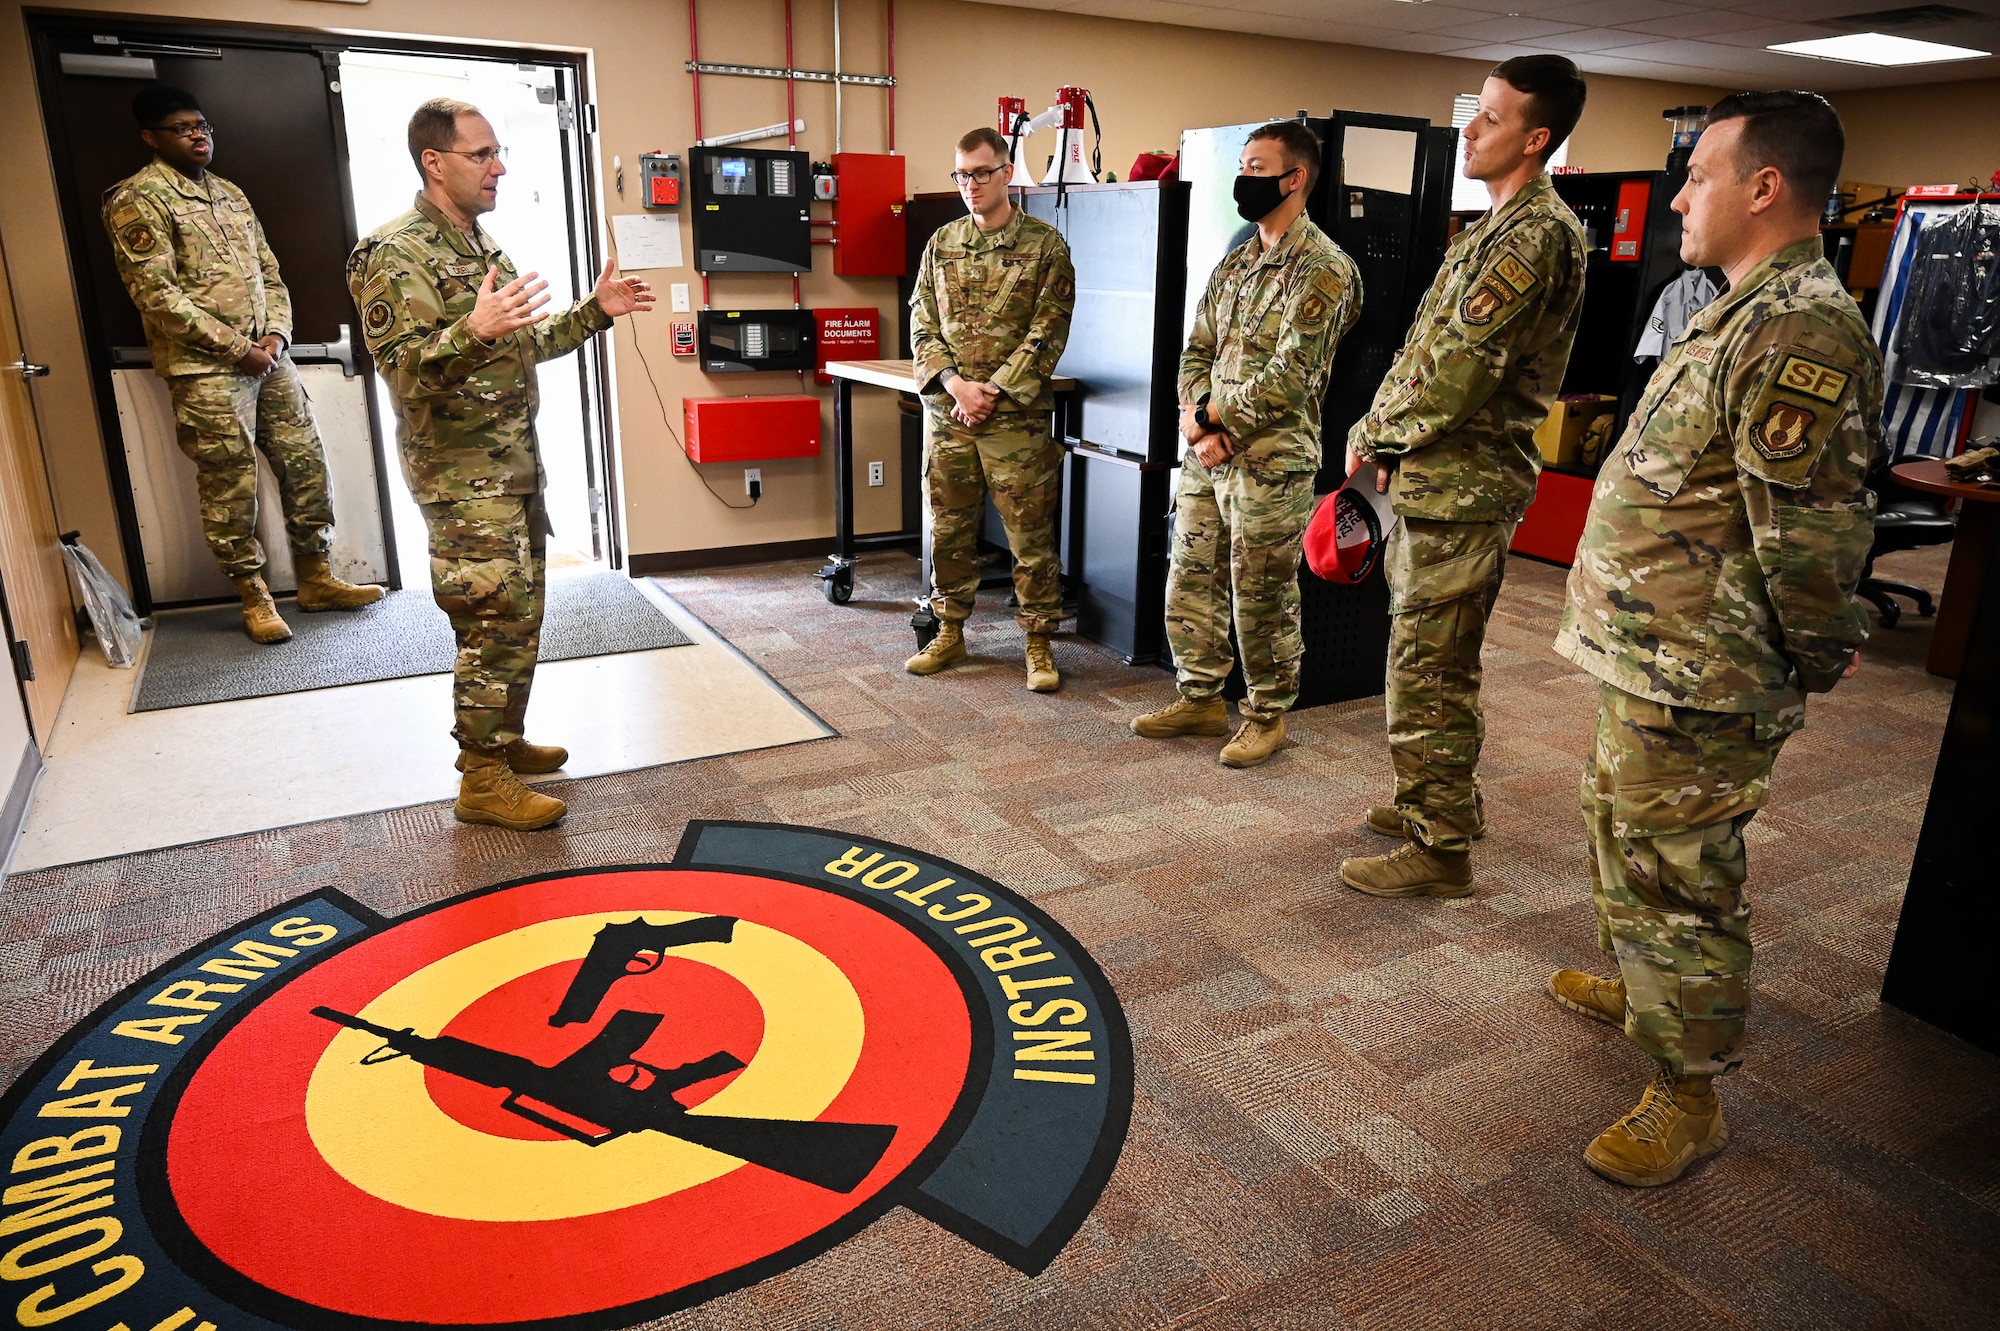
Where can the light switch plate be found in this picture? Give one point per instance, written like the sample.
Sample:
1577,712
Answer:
679,295
875,473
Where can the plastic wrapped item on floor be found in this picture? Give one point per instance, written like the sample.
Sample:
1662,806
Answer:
1948,335
109,608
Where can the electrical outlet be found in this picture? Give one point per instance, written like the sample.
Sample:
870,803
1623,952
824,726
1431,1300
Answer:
679,295
875,473
753,480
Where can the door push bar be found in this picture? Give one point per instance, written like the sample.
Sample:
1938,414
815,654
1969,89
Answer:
339,352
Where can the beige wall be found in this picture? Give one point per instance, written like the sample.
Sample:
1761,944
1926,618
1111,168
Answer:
953,59
1931,134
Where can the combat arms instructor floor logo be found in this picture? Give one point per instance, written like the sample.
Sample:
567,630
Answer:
586,1098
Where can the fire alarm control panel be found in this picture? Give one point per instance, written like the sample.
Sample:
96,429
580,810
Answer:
736,340
660,180
751,209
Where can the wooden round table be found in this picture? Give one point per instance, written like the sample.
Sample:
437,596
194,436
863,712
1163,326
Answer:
1971,550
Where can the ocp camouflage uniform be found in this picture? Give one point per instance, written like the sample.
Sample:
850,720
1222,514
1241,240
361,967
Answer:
194,259
994,307
1713,590
1456,418
466,431
1260,350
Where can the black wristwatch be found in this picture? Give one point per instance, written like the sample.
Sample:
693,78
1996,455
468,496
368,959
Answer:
1201,416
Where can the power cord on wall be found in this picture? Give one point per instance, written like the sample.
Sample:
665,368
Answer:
666,419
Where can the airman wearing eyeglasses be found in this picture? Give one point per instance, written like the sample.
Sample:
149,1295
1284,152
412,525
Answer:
218,321
457,332
988,322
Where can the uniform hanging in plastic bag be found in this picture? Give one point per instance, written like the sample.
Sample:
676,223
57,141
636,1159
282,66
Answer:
109,608
1350,529
1948,335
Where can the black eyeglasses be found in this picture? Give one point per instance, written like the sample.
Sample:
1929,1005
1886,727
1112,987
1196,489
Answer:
190,131
976,177
483,156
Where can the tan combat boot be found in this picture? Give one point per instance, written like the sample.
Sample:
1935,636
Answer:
1413,870
1184,716
260,613
1042,676
1385,819
525,759
320,590
1255,741
489,792
1678,1121
1598,997
947,649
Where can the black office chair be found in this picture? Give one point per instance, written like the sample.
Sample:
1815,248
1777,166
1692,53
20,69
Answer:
1905,519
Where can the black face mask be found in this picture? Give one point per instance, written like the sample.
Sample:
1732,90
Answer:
1258,196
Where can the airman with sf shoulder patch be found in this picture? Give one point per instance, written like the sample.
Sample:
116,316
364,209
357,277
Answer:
1713,590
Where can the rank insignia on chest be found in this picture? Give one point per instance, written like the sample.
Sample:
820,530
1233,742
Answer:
1782,432
1481,305
1813,379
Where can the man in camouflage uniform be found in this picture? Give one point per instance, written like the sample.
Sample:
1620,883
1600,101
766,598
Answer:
1251,380
218,320
1453,425
988,323
1714,590
458,334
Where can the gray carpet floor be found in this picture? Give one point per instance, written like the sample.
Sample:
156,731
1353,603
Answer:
203,656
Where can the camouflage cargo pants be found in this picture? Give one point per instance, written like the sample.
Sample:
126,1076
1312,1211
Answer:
487,573
1012,456
1237,540
220,421
1667,793
1443,580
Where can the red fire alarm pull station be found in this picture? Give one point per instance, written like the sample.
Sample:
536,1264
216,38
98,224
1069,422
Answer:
1629,226
747,429
854,334
868,216
683,330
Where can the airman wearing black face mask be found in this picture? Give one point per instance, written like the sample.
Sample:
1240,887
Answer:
1250,386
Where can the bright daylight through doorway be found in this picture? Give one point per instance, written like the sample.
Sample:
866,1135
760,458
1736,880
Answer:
531,223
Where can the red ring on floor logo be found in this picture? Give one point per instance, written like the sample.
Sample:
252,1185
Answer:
586,1098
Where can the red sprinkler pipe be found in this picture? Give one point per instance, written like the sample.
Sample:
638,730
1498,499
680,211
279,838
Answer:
892,73
694,56
791,86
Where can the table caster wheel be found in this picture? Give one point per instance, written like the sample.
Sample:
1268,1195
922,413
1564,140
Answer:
839,586
925,623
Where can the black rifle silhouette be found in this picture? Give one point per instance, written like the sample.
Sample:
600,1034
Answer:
602,1092
632,948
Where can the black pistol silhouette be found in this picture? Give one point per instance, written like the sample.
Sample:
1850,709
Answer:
632,948
601,1092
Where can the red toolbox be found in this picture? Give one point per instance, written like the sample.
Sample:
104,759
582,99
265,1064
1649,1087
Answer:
747,429
1554,522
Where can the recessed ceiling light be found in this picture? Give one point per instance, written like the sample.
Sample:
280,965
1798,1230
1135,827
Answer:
1875,48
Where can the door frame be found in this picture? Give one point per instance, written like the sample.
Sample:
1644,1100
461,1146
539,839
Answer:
46,29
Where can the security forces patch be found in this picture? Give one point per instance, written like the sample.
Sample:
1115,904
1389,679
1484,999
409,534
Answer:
1813,379
1782,432
589,1098
377,318
1515,274
138,238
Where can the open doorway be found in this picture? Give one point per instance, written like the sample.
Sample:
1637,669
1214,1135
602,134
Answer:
540,222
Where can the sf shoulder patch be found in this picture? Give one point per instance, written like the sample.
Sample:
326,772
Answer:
1515,274
1795,411
576,1101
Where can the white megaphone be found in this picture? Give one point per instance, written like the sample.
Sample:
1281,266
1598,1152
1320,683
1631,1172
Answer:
1066,117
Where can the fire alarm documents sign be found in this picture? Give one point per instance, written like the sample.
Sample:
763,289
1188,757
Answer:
846,335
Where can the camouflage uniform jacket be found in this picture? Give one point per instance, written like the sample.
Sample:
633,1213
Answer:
193,257
467,407
1729,527
1263,342
1458,410
994,306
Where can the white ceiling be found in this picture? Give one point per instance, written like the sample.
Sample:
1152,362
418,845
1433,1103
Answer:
1687,41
